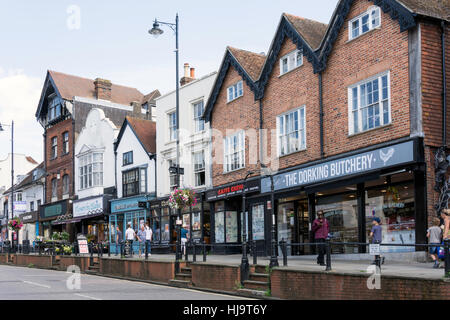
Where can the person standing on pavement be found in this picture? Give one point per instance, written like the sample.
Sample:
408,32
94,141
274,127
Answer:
434,237
141,238
321,228
184,238
130,235
119,241
148,239
376,235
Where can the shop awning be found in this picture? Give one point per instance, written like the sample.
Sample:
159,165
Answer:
56,222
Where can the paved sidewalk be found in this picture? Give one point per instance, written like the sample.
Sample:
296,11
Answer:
308,263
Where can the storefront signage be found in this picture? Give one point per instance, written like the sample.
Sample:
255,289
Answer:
29,217
357,164
53,210
88,207
374,249
126,204
20,206
82,244
233,190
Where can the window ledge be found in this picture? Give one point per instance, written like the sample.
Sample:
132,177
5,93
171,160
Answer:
362,35
291,70
370,130
231,171
235,99
291,153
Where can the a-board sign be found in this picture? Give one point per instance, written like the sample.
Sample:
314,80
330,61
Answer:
374,249
82,244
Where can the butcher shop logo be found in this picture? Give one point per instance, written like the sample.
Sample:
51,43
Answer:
386,156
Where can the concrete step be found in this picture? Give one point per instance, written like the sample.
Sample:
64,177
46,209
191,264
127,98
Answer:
251,293
264,277
183,276
186,270
260,269
180,283
256,285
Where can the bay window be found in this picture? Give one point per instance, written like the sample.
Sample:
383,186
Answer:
91,170
134,182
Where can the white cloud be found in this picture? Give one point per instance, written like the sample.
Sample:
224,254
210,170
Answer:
19,97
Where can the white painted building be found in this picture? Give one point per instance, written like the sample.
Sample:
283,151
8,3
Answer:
195,140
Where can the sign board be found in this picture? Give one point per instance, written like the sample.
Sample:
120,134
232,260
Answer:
381,158
123,205
87,207
82,244
20,206
233,190
374,249
179,222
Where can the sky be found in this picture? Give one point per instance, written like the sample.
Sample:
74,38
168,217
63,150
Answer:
110,40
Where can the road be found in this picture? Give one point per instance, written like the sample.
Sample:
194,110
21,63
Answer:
19,283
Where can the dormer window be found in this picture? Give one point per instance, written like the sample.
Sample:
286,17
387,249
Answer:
291,61
54,108
362,24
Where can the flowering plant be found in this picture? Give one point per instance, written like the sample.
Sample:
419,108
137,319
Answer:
15,224
181,198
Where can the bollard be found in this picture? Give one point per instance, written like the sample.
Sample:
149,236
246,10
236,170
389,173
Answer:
91,258
328,252
204,251
146,250
194,254
109,250
378,259
446,258
284,252
255,256
186,249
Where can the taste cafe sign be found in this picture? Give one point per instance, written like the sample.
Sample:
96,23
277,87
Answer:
88,207
233,190
394,155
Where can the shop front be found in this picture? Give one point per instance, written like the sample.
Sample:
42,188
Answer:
30,227
227,220
90,216
124,211
50,216
386,181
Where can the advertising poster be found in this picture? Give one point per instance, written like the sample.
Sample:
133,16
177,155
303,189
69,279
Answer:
231,223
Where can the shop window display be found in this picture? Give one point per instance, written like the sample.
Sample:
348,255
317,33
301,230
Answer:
258,222
286,223
393,203
165,223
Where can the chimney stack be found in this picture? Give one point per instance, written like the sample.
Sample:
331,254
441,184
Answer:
102,89
189,75
137,109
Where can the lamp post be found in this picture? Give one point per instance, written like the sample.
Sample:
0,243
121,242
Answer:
245,267
273,256
156,31
12,167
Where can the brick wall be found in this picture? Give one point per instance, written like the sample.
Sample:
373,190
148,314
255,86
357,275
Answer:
228,118
298,285
213,276
63,164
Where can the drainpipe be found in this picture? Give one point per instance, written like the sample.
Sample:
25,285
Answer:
322,154
444,88
261,153
115,170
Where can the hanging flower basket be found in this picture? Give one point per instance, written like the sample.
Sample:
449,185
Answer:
15,224
181,198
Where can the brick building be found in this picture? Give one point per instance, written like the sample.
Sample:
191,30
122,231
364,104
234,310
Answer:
347,117
63,107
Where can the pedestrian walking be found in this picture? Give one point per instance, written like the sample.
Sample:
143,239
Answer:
148,239
184,238
130,235
321,228
119,241
376,235
141,238
434,237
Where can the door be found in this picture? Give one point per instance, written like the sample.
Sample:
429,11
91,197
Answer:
257,225
303,227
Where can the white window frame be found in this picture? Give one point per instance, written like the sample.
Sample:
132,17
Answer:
54,184
65,143
355,105
54,141
286,129
199,123
199,166
370,22
172,126
235,91
172,176
231,150
90,172
66,188
291,61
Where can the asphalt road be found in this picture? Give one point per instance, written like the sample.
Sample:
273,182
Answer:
19,283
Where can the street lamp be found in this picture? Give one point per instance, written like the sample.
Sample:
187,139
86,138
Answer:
245,267
156,31
12,167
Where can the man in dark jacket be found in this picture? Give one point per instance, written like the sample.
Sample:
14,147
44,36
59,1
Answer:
321,228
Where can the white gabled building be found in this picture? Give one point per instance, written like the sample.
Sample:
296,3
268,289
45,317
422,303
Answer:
194,154
94,174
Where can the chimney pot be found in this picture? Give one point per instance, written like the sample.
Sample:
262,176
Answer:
193,73
186,69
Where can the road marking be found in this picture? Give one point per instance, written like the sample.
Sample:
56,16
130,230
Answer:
84,296
37,284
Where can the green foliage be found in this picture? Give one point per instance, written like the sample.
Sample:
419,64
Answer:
30,265
64,236
56,236
268,293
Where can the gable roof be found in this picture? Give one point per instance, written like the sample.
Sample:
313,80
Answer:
151,96
439,9
69,86
247,64
28,178
312,31
144,130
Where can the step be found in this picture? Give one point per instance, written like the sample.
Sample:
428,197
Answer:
183,276
260,269
186,270
251,293
94,273
256,285
94,268
263,277
180,283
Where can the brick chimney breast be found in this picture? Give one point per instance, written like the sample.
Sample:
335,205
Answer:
137,109
102,89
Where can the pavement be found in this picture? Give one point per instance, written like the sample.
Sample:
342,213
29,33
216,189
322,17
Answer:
408,269
22,283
